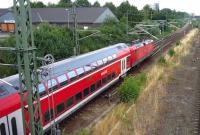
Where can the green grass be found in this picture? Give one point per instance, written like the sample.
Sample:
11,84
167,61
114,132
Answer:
131,87
178,43
162,61
82,132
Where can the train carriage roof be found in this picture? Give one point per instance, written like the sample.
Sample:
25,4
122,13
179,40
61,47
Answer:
6,89
63,66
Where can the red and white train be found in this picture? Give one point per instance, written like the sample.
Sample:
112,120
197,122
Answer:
74,82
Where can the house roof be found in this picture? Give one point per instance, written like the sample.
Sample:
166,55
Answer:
3,11
60,15
89,15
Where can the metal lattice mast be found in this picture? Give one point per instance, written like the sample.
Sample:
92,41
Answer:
75,32
27,68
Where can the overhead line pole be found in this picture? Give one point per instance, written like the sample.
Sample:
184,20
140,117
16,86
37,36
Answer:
27,67
127,25
75,32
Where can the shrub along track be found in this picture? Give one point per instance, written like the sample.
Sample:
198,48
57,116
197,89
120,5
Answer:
98,107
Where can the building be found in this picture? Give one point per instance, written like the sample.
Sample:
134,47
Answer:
155,6
86,17
7,21
92,16
2,11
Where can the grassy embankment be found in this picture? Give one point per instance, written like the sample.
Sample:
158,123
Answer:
138,112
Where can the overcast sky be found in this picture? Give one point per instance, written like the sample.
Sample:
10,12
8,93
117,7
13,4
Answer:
190,6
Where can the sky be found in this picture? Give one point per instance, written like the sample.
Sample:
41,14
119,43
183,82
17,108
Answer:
190,6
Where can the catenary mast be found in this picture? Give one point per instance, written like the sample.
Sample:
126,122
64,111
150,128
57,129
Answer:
27,68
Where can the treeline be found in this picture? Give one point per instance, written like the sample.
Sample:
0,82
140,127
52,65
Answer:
122,10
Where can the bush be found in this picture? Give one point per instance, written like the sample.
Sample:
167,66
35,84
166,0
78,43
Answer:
8,57
131,87
55,40
162,61
178,43
171,52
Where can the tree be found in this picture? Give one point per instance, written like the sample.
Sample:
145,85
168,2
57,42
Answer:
54,40
52,5
158,16
96,4
168,13
82,3
38,4
134,15
127,10
147,12
8,57
111,6
123,9
65,3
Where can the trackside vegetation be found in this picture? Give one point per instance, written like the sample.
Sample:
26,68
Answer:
131,87
162,61
82,132
171,52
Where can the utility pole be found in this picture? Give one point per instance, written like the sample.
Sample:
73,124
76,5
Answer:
27,67
127,23
75,32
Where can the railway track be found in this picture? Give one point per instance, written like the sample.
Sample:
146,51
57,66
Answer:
98,107
196,114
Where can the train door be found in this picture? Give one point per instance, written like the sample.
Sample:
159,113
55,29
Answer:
123,66
4,126
15,123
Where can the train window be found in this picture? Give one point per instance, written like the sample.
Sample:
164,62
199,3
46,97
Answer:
80,72
128,59
110,58
104,80
5,89
94,65
105,60
70,102
113,75
41,89
86,92
100,62
72,75
78,96
114,56
48,115
52,84
92,88
62,80
119,47
109,77
124,46
98,84
60,108
14,126
87,69
2,129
